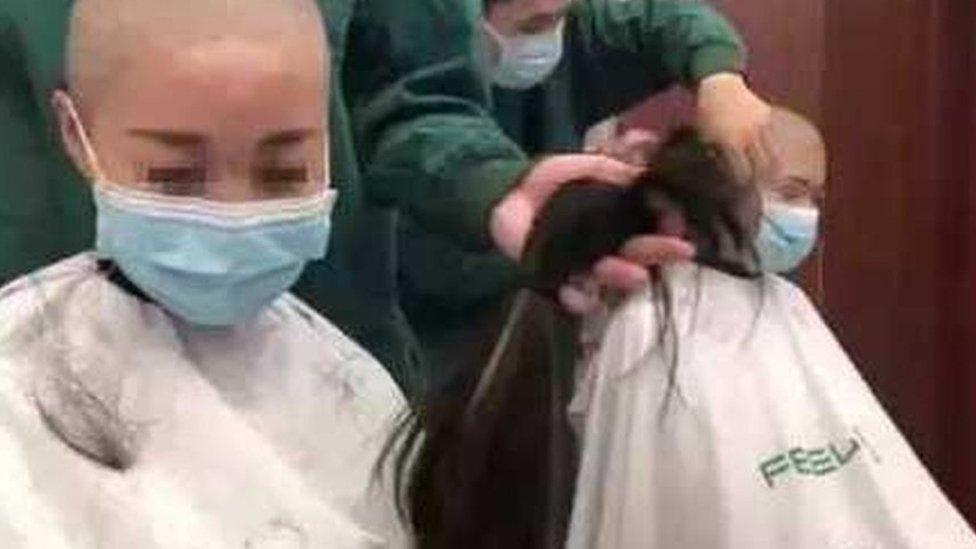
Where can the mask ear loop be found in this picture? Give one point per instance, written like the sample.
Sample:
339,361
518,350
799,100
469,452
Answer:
496,37
91,158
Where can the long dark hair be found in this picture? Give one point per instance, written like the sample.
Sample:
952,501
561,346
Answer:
488,460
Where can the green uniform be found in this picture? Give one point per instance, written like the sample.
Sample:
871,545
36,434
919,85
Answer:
616,54
409,130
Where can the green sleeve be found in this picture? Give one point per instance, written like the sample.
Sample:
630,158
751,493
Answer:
649,45
42,202
425,140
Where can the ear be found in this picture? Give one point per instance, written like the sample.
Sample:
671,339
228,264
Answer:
72,133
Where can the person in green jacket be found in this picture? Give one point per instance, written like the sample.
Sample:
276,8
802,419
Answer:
409,130
558,67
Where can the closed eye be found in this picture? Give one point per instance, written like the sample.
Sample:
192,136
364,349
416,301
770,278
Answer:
177,180
279,175
276,180
797,189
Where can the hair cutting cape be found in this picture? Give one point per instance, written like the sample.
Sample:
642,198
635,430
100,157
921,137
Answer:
769,439
260,435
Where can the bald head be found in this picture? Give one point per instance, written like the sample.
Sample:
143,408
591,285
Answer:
108,37
799,172
227,98
799,146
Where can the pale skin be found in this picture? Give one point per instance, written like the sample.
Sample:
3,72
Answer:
799,158
224,117
728,113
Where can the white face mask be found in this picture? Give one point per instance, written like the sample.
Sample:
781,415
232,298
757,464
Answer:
525,60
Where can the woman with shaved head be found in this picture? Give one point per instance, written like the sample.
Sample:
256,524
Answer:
164,390
409,132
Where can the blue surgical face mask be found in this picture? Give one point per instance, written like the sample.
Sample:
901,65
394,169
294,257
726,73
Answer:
208,262
786,237
211,264
525,60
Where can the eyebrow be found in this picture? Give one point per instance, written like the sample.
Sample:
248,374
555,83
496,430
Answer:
817,194
170,138
805,181
287,137
808,183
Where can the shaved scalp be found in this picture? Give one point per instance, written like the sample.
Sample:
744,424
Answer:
107,35
800,142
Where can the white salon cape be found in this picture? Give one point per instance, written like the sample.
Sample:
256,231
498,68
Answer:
258,436
770,439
